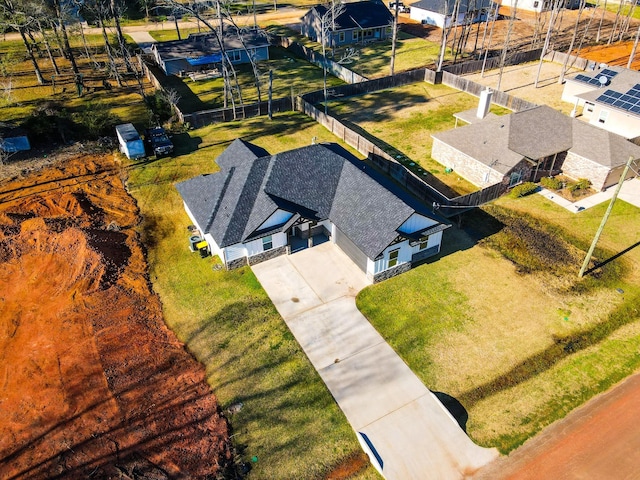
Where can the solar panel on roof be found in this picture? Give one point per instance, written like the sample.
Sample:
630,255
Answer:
626,98
609,73
635,109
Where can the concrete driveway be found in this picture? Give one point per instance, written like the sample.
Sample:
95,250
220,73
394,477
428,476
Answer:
403,427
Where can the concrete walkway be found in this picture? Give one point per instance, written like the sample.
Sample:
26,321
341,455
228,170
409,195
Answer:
630,193
405,430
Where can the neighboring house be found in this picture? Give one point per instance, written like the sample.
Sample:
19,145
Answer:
201,51
357,22
539,5
527,145
609,97
260,206
442,13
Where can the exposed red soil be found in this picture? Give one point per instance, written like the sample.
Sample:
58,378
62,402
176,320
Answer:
92,383
598,440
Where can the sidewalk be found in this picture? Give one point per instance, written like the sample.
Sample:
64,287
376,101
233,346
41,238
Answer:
630,193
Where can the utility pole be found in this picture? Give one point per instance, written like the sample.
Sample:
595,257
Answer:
605,218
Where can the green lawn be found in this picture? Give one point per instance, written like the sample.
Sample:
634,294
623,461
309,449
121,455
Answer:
291,75
506,327
289,420
405,117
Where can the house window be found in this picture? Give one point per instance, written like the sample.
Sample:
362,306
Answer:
604,114
354,35
588,107
234,55
423,244
267,243
393,257
341,37
515,178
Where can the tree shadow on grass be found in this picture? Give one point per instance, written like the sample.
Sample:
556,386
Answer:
562,347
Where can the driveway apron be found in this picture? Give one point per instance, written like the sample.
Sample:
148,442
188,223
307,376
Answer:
403,427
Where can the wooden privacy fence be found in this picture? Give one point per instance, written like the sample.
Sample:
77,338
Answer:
316,58
417,184
207,117
498,97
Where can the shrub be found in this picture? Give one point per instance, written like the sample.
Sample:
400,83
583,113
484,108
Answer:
523,189
551,183
49,121
581,184
95,121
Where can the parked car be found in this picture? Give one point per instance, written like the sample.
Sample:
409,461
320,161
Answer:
401,7
158,141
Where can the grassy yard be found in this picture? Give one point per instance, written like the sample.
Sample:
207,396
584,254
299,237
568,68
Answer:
405,117
291,75
288,421
22,93
506,327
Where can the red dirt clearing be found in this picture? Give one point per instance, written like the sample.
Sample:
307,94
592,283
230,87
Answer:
598,440
92,383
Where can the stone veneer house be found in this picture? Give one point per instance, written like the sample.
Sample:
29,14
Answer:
259,205
527,145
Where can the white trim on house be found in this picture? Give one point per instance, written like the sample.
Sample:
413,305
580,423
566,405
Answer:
277,218
415,223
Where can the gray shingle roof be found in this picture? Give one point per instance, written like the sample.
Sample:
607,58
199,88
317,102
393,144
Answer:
365,14
440,6
322,180
503,142
204,44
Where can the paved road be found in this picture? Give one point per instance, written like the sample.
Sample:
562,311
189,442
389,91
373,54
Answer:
600,440
411,432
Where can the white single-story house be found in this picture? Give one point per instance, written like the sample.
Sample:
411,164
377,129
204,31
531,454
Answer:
356,22
260,206
442,13
530,144
538,5
202,51
609,98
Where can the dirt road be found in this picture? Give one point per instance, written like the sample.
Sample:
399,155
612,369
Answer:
92,383
598,440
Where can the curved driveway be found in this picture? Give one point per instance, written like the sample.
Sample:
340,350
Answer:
413,435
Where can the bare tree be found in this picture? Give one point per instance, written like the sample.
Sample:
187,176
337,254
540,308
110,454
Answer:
18,14
328,27
505,48
573,40
547,40
394,37
60,16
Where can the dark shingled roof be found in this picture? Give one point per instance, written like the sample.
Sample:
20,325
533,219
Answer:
439,6
318,181
204,44
360,15
502,142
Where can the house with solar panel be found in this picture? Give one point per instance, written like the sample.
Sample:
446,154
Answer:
202,52
259,206
608,98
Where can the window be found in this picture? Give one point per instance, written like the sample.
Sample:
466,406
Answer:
588,107
234,55
341,37
423,243
604,114
267,243
354,35
515,178
393,257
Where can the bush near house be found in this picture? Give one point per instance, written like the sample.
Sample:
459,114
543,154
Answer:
551,183
579,186
523,189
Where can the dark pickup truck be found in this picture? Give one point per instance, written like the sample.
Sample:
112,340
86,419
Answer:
158,141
